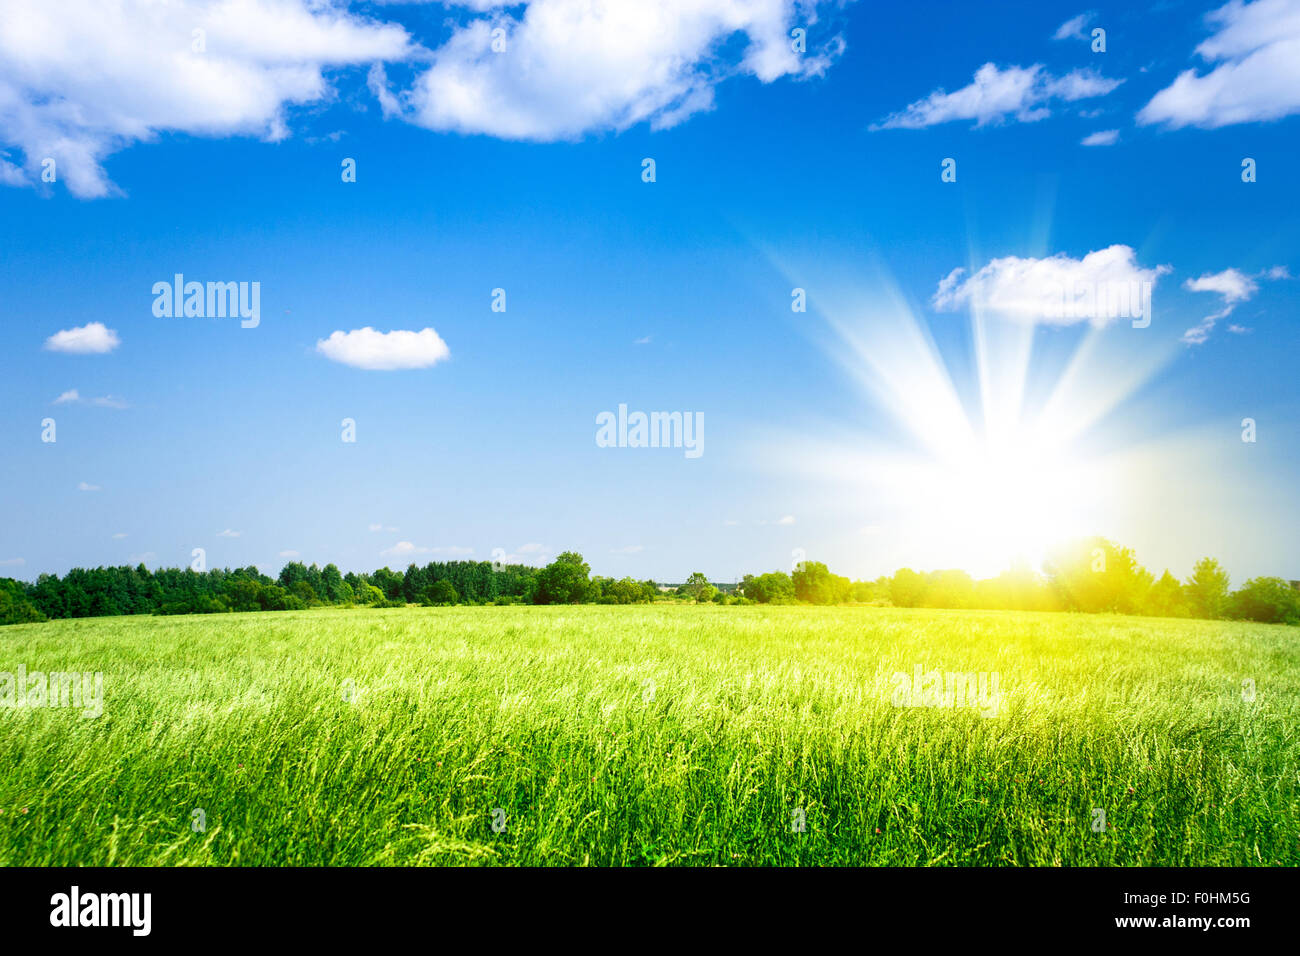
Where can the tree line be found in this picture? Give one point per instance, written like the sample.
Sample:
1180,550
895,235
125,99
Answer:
100,592
1093,575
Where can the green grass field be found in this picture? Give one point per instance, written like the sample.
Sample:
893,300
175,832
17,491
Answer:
653,735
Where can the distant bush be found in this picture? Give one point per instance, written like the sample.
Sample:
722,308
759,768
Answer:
440,594
1270,600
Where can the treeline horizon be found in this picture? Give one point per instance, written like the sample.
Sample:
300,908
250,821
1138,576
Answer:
1091,575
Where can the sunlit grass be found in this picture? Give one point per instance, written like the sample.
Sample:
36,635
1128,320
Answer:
653,735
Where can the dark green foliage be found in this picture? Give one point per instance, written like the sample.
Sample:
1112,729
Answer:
440,594
563,581
1089,575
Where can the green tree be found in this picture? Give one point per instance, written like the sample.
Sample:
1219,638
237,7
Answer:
1207,588
564,581
1095,575
440,594
906,588
1167,598
775,587
1270,600
698,588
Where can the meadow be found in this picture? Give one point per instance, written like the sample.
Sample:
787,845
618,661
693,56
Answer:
664,734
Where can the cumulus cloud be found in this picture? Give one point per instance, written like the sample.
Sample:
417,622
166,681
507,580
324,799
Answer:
82,79
786,519
1233,287
368,349
13,562
995,95
71,396
1058,290
1256,47
86,486
1105,137
228,533
290,554
91,339
563,68
1072,29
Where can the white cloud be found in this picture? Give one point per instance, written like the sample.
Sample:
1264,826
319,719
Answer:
119,536
1233,288
408,548
644,340
13,562
1257,49
84,486
571,66
995,95
368,349
531,548
290,554
227,534
1102,286
1105,137
787,519
81,79
73,397
404,549
1072,29
90,339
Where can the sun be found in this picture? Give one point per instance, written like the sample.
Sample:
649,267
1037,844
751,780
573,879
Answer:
994,505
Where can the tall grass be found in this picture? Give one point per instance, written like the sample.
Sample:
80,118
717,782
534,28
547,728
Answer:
653,735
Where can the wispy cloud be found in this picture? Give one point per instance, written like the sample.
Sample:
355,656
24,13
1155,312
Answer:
1105,137
1233,288
81,79
576,67
998,95
1257,49
73,397
1073,28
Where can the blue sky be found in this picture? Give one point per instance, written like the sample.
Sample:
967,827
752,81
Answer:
772,172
